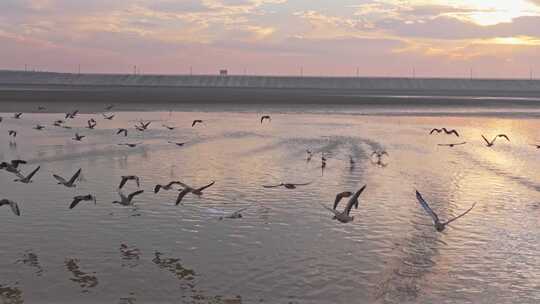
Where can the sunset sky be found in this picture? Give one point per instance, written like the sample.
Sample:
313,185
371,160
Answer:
494,38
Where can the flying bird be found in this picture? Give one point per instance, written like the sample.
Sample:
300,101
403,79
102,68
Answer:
122,130
41,108
127,178
445,130
39,127
179,144
12,133
82,198
167,186
535,145
71,115
492,142
13,205
439,226
131,145
169,127
143,125
109,107
197,191
188,189
68,183
17,115
344,216
92,123
78,137
266,117
196,121
108,117
452,145
127,200
58,123
26,179
286,185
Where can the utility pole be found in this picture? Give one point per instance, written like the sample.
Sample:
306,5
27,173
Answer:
531,73
301,71
471,74
414,73
357,72
134,70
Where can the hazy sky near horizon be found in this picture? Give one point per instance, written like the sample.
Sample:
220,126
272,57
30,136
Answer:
494,38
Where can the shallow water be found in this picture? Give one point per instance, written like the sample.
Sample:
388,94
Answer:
286,248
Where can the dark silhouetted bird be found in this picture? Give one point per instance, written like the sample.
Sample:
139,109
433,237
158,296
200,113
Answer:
68,183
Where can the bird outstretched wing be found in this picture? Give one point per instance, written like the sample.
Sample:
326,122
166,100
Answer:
29,177
273,186
206,186
132,195
60,179
457,217
503,136
15,208
353,201
426,207
123,182
75,176
13,205
340,196
181,195
76,201
453,131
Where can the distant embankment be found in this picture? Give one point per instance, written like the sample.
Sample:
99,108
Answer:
270,82
154,90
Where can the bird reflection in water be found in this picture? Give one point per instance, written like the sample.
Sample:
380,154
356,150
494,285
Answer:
31,259
130,256
10,295
84,280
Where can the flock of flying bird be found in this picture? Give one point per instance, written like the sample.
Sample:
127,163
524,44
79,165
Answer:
377,157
